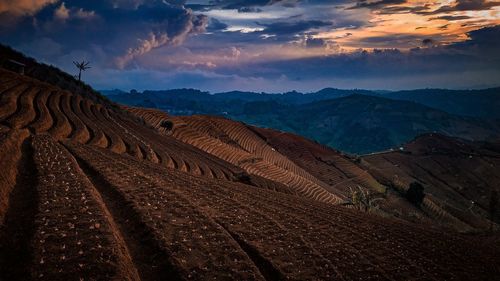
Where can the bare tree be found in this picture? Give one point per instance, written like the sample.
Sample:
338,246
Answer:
82,66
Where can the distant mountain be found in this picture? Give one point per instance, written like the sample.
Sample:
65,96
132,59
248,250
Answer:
113,92
481,103
343,119
363,124
292,97
478,103
221,102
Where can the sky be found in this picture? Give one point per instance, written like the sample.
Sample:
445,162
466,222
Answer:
262,45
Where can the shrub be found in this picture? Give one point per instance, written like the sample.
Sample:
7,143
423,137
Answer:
415,194
167,124
363,199
243,177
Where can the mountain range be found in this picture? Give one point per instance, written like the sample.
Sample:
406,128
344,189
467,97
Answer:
354,121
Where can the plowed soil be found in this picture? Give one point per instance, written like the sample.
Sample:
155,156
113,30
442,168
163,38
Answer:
94,192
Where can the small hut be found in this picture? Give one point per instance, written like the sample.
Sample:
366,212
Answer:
15,66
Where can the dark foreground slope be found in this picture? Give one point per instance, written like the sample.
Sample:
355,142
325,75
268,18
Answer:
91,192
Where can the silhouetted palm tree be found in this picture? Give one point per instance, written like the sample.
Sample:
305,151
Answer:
82,66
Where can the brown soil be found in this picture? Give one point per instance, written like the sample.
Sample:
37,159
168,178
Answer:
458,178
93,192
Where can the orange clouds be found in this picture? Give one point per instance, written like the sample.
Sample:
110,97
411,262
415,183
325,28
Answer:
23,7
408,23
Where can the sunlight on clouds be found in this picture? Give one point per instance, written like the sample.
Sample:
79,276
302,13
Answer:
242,29
186,59
492,15
406,30
23,7
62,13
407,26
404,26
235,15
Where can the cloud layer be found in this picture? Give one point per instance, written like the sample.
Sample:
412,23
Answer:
263,44
113,32
23,7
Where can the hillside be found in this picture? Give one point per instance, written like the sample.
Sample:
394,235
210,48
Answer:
343,119
298,163
48,73
459,177
93,191
363,124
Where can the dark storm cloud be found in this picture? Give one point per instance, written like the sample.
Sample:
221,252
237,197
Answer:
315,42
403,9
485,41
245,4
464,5
199,7
394,41
402,6
388,7
215,25
428,42
286,28
451,18
242,6
272,33
444,27
249,10
115,31
376,4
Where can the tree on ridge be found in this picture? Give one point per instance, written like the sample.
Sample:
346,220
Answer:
82,66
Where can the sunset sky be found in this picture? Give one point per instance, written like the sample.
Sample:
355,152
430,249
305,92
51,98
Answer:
263,45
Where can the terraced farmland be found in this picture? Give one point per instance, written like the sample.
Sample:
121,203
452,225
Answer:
237,144
90,191
459,177
323,162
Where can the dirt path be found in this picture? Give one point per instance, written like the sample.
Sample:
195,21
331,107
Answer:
148,257
17,232
265,267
